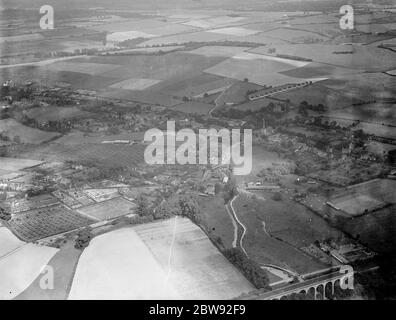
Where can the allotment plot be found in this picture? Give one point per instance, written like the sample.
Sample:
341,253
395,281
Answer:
108,209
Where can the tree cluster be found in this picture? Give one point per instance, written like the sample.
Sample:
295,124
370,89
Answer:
83,239
252,271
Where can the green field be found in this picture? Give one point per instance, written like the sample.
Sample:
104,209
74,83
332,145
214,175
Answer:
42,114
295,36
276,230
376,230
259,69
15,130
367,58
194,107
107,155
15,164
217,220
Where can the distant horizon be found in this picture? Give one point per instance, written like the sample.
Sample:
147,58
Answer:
162,4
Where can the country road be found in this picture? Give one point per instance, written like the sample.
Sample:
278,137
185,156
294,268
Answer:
240,223
234,223
40,63
290,272
217,100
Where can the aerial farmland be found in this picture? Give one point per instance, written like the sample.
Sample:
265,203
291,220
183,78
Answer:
79,195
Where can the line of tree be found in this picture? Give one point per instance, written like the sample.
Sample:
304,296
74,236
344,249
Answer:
230,190
252,271
83,239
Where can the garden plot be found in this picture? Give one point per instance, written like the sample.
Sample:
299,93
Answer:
67,199
19,269
21,205
82,67
41,223
176,261
259,69
100,195
135,84
109,209
133,193
107,184
80,196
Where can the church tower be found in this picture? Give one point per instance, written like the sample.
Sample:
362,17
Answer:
264,129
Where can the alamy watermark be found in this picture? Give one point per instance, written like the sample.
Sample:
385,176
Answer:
201,148
347,21
347,282
47,20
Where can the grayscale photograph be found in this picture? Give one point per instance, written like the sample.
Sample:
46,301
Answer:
193,150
